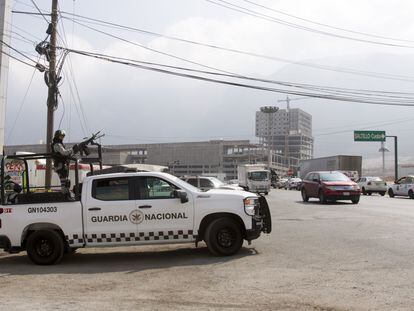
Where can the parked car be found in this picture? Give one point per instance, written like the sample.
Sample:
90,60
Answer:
206,183
371,185
293,183
329,186
281,183
402,187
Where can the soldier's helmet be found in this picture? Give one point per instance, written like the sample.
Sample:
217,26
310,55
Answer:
60,134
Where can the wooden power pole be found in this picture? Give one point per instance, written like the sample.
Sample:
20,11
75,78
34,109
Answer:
52,94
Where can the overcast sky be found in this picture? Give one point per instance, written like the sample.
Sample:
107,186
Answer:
136,106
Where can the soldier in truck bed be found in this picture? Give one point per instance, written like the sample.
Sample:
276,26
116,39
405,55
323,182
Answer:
61,156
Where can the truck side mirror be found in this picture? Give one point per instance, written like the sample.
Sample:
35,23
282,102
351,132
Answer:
182,195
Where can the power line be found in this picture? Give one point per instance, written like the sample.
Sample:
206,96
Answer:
364,128
17,51
333,90
30,13
249,12
326,25
299,93
41,13
151,49
73,80
255,79
24,31
357,125
21,106
19,60
372,74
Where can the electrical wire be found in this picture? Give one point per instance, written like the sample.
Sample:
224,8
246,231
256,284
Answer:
293,92
237,51
19,60
326,25
259,15
72,75
21,106
63,112
17,51
364,127
333,90
41,13
84,131
151,49
24,31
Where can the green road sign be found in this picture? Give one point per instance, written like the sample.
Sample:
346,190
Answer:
369,135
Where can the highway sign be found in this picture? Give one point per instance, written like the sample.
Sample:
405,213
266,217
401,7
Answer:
369,136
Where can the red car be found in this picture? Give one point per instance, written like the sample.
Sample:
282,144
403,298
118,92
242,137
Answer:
329,186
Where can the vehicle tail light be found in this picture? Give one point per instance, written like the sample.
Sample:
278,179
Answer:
1,210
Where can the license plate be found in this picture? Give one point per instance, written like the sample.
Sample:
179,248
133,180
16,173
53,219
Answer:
345,193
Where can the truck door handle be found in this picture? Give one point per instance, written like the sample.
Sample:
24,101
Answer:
145,206
94,209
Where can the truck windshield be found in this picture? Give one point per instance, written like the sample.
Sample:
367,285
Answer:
258,176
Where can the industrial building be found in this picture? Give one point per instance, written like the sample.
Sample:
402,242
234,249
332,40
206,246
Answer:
215,157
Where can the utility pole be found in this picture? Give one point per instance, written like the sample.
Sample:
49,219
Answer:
383,149
52,94
395,156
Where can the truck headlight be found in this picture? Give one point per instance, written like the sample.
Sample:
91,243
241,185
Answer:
249,205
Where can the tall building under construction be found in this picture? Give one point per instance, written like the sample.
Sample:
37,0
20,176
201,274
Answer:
286,132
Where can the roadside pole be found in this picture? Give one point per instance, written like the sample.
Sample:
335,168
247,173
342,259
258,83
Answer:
395,155
52,94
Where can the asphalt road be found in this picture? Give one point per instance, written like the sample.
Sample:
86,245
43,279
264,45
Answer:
319,257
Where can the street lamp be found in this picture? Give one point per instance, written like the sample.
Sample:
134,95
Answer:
383,149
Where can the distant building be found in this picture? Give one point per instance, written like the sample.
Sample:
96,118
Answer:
216,157
288,132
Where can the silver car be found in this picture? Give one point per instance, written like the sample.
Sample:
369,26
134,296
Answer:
371,184
293,183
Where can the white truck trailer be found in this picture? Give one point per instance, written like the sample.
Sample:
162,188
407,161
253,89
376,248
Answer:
347,164
254,178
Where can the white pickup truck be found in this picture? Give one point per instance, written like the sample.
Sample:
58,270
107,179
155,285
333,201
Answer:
137,208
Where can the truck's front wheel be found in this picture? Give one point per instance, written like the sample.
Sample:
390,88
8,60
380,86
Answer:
223,237
45,247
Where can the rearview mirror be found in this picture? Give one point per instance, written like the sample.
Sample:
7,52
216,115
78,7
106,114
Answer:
182,195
